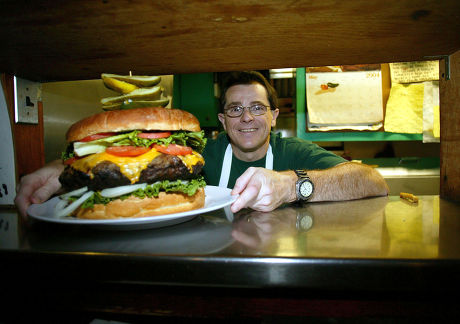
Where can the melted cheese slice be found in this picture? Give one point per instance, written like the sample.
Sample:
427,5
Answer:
191,159
131,167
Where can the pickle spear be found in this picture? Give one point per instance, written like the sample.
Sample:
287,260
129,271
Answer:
141,93
138,80
121,87
129,104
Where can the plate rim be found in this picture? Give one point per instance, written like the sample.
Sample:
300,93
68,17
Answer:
210,191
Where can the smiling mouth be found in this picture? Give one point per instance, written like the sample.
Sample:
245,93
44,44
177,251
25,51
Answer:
248,130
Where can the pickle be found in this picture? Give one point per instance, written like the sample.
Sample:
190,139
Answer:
139,104
129,104
138,80
115,106
118,86
138,94
332,85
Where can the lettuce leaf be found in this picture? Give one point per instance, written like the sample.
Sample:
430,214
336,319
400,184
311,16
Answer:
68,153
195,140
152,190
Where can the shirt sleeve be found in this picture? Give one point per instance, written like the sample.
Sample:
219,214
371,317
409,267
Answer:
294,153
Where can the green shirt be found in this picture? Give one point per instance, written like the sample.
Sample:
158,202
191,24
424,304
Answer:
289,153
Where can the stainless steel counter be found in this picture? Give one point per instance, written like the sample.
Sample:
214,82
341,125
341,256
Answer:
378,246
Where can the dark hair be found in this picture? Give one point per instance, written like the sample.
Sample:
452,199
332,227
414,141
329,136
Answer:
247,77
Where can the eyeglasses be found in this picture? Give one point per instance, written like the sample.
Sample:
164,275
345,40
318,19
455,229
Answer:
237,110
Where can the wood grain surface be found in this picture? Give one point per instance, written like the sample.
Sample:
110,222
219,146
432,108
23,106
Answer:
450,130
69,40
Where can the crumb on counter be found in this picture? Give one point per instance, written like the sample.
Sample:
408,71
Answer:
409,197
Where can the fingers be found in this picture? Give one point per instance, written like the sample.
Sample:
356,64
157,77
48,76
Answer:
255,189
33,193
37,187
25,191
242,182
46,191
246,198
263,190
247,188
22,203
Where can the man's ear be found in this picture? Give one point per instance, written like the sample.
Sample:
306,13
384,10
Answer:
222,120
275,114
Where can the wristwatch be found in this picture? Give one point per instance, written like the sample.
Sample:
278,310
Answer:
304,186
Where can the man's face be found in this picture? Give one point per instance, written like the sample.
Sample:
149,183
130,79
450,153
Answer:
248,133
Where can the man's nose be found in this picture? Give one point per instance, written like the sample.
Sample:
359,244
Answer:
247,116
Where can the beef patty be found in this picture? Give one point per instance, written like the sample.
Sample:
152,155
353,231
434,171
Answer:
107,174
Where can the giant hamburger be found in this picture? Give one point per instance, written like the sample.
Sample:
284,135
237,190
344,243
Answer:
133,163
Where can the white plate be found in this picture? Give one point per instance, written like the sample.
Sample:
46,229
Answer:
216,197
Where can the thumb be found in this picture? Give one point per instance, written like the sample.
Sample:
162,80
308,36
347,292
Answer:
45,192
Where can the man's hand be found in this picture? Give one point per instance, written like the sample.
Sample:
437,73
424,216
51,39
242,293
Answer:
263,190
38,186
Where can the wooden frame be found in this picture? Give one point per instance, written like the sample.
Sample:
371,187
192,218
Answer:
75,40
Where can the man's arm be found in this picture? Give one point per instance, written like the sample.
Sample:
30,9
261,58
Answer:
265,190
347,181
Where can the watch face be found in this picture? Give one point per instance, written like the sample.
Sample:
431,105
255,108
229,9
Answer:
306,189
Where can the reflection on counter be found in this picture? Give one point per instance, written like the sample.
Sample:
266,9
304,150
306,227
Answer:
261,232
201,235
383,227
413,229
373,228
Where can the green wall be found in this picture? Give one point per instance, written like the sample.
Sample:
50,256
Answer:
195,93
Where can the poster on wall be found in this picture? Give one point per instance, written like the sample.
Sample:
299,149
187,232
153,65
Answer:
344,97
413,104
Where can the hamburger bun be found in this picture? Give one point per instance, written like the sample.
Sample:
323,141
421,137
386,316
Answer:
152,118
165,203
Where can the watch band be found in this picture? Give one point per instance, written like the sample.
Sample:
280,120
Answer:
302,174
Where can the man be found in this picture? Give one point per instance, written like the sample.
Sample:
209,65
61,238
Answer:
244,156
266,170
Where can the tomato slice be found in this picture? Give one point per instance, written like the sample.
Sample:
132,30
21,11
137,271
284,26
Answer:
127,150
97,136
154,135
173,149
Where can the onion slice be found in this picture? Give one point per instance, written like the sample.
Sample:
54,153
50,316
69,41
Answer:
122,190
60,212
76,193
61,204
